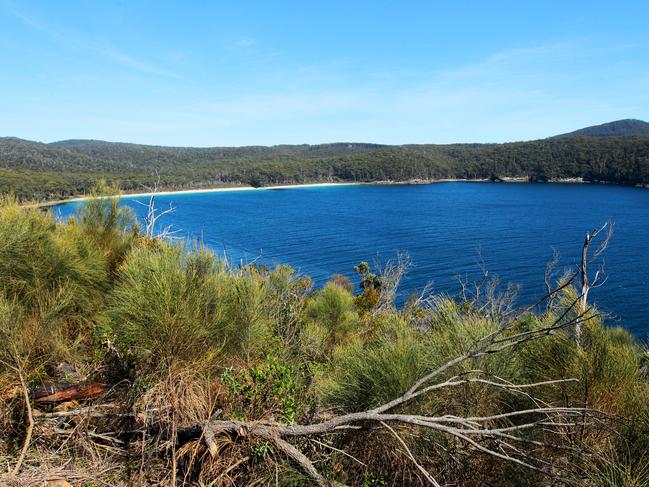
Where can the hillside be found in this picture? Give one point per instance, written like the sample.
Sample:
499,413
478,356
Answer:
34,170
619,128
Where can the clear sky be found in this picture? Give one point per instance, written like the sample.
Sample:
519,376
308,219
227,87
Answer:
209,73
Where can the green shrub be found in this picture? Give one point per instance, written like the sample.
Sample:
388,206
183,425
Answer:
50,299
174,304
287,295
55,273
113,227
244,321
364,374
392,355
165,305
607,366
266,388
332,311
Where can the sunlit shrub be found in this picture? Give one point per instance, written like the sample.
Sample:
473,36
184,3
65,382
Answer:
266,388
54,274
332,309
287,295
113,227
175,304
607,366
244,318
367,300
165,305
365,374
392,355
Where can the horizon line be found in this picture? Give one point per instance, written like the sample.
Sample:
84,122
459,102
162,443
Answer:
320,143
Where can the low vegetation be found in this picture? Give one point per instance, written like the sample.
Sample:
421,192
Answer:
128,360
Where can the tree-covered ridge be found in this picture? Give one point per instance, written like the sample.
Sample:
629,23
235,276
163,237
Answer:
628,126
51,171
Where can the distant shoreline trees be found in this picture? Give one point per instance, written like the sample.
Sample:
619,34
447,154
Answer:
37,171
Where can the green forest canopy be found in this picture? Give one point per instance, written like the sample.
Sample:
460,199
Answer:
33,170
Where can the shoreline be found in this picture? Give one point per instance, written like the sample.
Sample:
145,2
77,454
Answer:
223,189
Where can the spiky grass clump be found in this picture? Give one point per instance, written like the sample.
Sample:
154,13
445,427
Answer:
173,304
612,470
165,307
333,315
245,322
287,295
387,355
38,258
366,373
111,226
52,286
607,367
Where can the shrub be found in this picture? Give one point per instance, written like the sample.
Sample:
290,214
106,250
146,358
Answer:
267,388
391,355
244,320
332,310
367,300
53,277
607,366
165,305
37,257
364,374
285,300
113,227
174,304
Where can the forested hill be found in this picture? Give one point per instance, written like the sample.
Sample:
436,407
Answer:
35,170
618,128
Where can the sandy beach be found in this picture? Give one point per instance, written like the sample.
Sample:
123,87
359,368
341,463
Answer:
294,186
205,190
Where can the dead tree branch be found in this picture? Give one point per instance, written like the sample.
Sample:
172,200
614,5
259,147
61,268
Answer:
30,418
586,285
153,215
470,430
390,277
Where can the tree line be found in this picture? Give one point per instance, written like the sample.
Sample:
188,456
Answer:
32,170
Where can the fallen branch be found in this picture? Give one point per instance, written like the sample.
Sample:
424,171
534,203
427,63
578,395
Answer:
96,411
470,430
62,392
209,436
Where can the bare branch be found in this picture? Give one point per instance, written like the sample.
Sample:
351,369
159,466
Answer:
426,474
547,277
586,286
30,423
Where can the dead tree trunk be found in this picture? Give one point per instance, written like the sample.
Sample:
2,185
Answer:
586,285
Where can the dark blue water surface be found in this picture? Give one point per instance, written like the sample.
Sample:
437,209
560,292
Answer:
322,231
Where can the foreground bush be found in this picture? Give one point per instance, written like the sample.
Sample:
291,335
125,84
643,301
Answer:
150,363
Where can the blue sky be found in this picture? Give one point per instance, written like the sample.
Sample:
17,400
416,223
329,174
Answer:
246,72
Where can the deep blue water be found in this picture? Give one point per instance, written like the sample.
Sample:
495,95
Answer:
322,231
